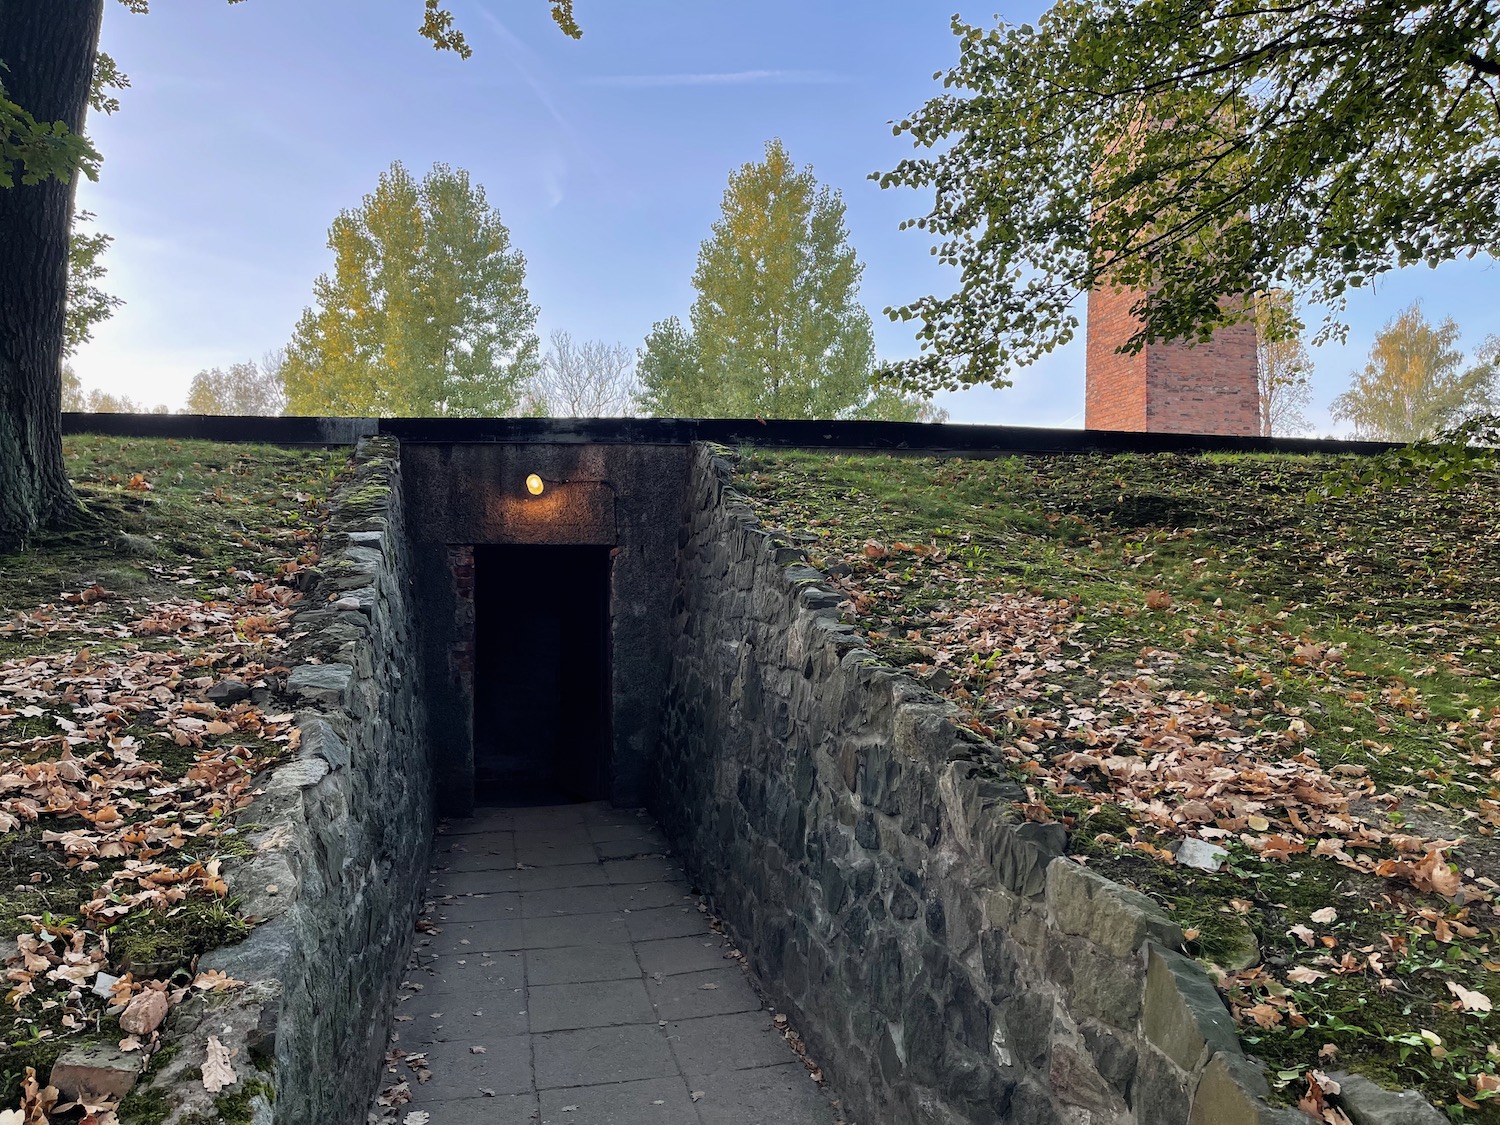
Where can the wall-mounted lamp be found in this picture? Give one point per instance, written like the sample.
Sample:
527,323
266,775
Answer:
534,485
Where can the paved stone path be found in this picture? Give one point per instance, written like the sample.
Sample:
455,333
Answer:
572,979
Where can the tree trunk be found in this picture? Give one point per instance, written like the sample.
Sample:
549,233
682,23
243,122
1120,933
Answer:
48,47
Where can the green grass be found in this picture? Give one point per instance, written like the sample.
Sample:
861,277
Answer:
1213,577
217,519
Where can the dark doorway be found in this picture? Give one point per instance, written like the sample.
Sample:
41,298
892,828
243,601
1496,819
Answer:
541,676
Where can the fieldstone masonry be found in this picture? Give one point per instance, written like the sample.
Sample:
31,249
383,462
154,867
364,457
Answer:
340,837
944,959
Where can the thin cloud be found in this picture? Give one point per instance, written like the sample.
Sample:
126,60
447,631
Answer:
530,69
729,78
522,63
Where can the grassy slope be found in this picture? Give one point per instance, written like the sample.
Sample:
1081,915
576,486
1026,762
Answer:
1106,618
190,587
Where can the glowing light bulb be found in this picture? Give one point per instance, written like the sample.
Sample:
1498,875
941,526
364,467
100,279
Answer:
534,485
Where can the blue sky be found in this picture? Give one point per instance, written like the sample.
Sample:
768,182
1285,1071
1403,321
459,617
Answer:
248,127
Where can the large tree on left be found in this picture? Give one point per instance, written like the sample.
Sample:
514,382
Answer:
48,48
47,52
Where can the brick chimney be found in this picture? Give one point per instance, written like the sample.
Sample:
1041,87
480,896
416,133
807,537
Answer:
1172,387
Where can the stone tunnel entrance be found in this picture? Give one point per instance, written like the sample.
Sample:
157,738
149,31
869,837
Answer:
544,615
541,674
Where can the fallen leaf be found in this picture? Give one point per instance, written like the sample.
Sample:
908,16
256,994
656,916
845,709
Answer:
1303,975
1471,1001
217,1073
1326,915
416,1117
1434,874
1264,1015
696,1095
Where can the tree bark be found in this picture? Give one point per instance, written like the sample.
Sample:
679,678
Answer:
48,47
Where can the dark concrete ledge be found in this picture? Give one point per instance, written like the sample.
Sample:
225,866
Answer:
209,427
888,437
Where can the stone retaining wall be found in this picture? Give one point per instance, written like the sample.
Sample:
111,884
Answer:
340,833
944,961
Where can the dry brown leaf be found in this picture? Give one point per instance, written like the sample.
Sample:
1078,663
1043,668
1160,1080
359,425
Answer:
216,981
1303,975
1264,1014
217,1071
1434,874
1469,1000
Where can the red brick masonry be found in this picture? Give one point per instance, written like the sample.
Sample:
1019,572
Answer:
1171,387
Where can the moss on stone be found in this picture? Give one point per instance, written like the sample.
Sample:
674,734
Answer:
236,1108
147,1104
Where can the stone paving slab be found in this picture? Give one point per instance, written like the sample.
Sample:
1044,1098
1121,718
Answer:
465,1018
652,870
631,846
495,820
555,855
769,1095
645,896
463,938
566,900
504,1066
508,1109
566,976
742,1041
480,978
485,859
579,964
717,992
659,1101
475,907
603,833
666,922
682,955
600,1003
596,1055
578,929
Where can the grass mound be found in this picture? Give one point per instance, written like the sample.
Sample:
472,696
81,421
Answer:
1175,648
136,669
